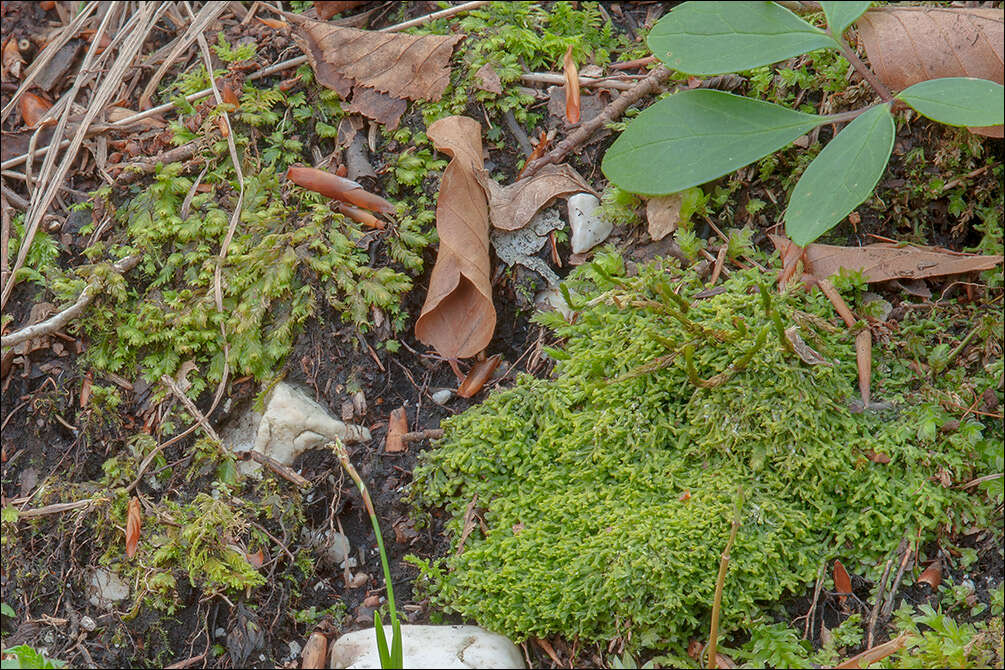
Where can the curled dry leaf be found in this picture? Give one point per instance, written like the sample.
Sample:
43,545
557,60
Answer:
907,45
480,373
842,582
360,216
805,352
33,109
663,214
932,575
571,88
458,317
884,261
11,59
338,188
512,207
133,525
275,24
315,652
397,426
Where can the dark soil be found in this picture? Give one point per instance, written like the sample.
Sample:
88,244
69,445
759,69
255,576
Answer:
47,436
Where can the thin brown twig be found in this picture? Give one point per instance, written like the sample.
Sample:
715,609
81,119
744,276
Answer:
890,597
879,595
808,629
652,83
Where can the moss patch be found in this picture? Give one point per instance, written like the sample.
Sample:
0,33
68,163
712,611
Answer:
607,492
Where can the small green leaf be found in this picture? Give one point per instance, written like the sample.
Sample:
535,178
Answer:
721,37
958,101
693,137
9,514
7,610
841,177
840,15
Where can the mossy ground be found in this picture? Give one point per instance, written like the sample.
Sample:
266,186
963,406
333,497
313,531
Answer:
607,492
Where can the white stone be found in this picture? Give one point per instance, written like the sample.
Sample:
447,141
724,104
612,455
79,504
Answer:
588,230
87,623
292,424
294,650
429,647
106,588
442,396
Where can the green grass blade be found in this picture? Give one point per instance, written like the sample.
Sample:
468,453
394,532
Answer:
841,177
693,137
385,657
721,37
397,653
958,101
840,15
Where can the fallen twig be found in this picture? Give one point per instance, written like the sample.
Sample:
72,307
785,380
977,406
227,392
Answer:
57,508
428,434
133,171
813,606
879,595
653,82
616,83
58,321
286,473
888,607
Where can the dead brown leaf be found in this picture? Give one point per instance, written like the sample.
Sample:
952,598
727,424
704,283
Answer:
663,215
863,357
488,80
907,45
805,352
366,64
842,582
932,575
33,108
870,656
133,525
458,317
315,651
480,373
512,207
884,261
571,88
329,8
397,426
11,59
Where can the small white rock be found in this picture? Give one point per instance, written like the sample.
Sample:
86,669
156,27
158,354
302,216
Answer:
430,647
442,396
294,651
552,297
106,588
87,623
587,230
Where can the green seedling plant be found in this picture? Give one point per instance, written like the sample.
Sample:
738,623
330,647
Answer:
388,658
694,136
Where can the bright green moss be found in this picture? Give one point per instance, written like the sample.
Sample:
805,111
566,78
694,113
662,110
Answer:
583,480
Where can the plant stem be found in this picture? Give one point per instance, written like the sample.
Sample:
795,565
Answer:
863,70
713,635
343,457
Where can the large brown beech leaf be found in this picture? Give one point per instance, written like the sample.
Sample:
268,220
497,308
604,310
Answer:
379,70
458,317
907,45
884,261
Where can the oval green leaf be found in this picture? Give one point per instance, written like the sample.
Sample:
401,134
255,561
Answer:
692,137
840,15
719,37
958,101
841,177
